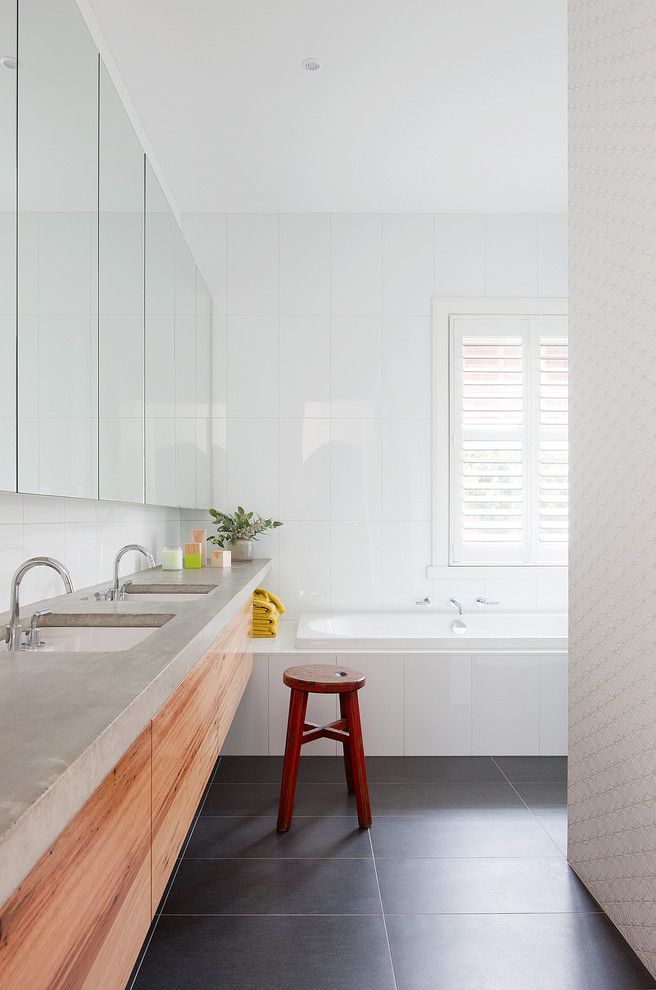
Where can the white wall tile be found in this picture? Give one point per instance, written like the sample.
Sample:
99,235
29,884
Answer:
253,465
355,469
12,555
381,707
552,255
249,732
406,553
407,369
552,593
321,708
304,468
304,567
437,705
206,235
511,260
356,566
407,469
305,263
81,554
252,366
407,264
356,358
252,264
459,254
512,594
505,705
304,374
356,263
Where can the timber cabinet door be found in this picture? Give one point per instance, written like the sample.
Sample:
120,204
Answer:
185,740
79,918
188,733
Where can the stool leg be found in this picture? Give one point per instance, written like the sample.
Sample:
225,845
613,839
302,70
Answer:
348,769
356,748
295,722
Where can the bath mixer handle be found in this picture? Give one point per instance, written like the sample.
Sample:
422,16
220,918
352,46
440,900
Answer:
425,602
486,601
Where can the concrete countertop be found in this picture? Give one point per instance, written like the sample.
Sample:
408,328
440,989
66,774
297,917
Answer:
66,719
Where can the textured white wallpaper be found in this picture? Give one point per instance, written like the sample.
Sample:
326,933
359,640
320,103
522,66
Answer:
612,724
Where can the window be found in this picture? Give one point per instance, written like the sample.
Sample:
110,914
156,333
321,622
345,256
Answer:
507,434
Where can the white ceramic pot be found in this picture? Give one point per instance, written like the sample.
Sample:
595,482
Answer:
242,550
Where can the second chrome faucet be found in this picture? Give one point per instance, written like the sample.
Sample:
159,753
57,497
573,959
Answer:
118,592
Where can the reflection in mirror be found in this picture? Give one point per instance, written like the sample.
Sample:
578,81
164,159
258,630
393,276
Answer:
8,76
57,251
120,302
160,379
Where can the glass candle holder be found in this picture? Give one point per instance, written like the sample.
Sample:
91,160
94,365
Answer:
172,558
193,557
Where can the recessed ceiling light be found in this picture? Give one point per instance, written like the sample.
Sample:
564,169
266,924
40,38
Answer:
8,62
311,64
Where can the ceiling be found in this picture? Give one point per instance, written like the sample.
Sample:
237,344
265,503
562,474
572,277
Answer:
420,106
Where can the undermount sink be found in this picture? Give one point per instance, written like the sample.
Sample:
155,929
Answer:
111,639
96,633
165,596
138,593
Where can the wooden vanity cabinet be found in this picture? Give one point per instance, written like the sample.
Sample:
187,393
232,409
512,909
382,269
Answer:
79,918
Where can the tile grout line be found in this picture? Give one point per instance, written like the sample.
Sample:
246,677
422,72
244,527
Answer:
563,855
382,909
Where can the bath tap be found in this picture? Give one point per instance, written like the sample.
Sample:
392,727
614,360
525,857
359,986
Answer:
454,601
14,630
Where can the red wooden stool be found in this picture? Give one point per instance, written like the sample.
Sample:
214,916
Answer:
324,679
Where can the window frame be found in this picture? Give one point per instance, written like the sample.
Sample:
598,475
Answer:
443,309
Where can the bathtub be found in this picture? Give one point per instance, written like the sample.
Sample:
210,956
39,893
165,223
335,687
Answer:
504,632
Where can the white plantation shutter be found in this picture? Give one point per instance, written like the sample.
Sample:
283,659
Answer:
508,420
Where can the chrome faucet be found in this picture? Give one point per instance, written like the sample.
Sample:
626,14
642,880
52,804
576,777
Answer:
117,592
454,601
14,630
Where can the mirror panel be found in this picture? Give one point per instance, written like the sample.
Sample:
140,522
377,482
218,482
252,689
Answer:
120,302
185,373
203,394
57,251
8,77
160,382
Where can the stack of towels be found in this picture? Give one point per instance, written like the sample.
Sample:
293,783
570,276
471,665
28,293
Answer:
267,609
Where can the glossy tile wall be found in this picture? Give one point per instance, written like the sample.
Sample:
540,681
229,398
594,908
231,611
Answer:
322,388
612,720
82,533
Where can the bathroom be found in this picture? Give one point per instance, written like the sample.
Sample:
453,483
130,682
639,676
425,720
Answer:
324,264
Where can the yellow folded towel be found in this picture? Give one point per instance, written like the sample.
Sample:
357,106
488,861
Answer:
264,608
260,620
265,628
269,595
265,633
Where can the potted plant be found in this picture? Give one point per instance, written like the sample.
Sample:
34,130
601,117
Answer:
237,531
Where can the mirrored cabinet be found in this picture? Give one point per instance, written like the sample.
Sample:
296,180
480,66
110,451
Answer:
8,77
57,251
105,320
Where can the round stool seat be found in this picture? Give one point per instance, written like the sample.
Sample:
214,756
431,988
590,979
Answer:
320,678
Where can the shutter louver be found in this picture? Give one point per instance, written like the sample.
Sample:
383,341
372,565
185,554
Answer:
553,494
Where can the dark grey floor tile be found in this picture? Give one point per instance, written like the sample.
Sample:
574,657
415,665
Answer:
512,832
391,769
518,768
480,885
253,838
274,886
262,799
513,952
277,953
424,799
543,793
554,822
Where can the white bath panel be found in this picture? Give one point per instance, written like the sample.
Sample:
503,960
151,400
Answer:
381,700
437,704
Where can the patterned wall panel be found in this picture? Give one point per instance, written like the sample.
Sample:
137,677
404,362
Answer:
612,729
